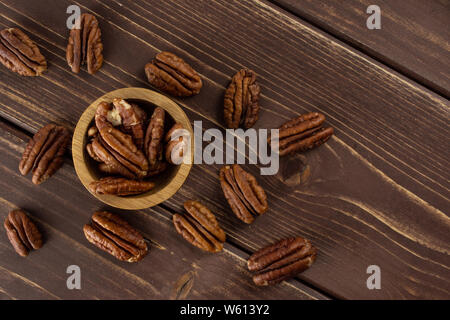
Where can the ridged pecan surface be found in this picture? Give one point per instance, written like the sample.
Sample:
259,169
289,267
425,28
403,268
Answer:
133,120
153,142
120,186
111,164
241,100
120,144
303,133
22,232
200,227
110,233
85,45
245,196
281,260
44,153
20,54
173,75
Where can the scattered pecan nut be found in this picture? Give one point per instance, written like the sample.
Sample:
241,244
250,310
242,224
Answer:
44,153
176,143
281,261
153,143
85,45
20,54
22,232
133,120
303,133
241,100
115,236
171,74
245,196
199,227
120,186
120,144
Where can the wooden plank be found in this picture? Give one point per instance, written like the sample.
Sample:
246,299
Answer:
62,206
414,35
377,193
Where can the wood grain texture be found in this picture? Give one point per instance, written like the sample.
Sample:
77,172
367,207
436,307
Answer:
376,193
173,269
414,35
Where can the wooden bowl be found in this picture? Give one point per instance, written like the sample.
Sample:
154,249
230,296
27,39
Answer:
167,183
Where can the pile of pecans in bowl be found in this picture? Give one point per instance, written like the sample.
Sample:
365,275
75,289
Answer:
129,147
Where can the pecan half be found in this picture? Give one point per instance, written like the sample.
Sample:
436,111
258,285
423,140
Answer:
22,232
133,120
281,260
120,186
92,153
121,145
245,196
303,133
115,236
20,54
85,45
109,169
175,146
44,153
138,172
171,74
199,227
153,143
111,164
241,100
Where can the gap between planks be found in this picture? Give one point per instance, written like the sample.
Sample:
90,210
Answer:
352,44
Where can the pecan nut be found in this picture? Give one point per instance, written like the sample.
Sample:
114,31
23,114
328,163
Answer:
241,100
111,164
303,133
109,169
281,261
160,166
115,236
120,186
85,45
20,54
199,227
245,196
133,120
153,143
176,143
44,153
22,232
92,153
171,74
120,144
136,170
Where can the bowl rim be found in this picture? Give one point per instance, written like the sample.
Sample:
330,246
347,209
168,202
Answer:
79,140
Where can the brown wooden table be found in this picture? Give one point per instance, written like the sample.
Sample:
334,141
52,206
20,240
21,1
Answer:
376,194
